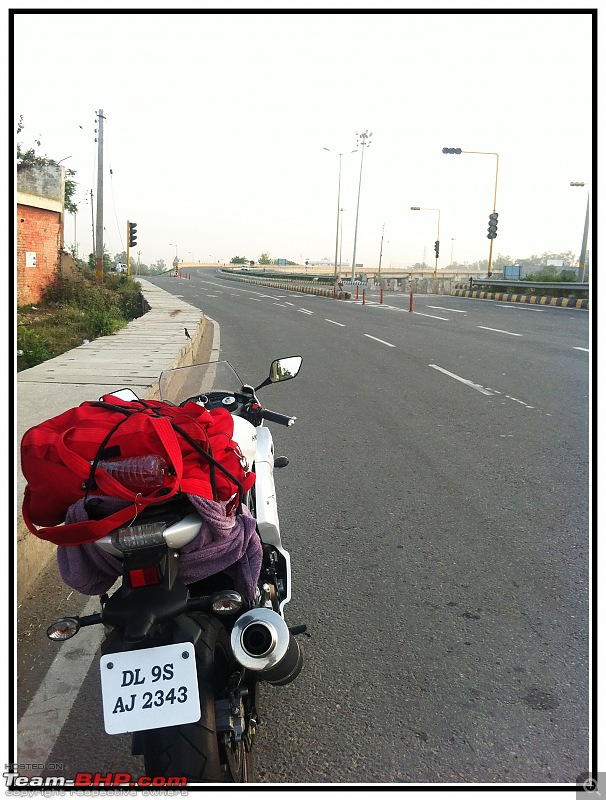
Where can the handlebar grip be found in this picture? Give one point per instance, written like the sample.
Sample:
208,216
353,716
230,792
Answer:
281,419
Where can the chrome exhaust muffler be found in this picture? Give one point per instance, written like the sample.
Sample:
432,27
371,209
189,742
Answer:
262,643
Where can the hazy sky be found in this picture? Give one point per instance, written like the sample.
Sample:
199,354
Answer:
216,124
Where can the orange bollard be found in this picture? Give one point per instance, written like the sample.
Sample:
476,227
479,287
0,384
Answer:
381,296
410,308
189,275
357,292
334,292
363,296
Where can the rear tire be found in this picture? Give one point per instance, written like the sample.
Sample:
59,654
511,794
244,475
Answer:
193,751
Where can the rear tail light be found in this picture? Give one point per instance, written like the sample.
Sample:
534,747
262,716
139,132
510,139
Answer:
148,576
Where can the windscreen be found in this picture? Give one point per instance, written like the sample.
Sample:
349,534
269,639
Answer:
176,385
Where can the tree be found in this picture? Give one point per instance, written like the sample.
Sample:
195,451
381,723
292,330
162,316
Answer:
159,266
31,157
265,260
239,260
107,262
502,261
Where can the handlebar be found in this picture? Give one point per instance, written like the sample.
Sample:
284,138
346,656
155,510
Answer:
246,406
281,419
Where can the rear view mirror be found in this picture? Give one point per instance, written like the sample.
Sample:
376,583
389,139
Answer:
283,369
123,394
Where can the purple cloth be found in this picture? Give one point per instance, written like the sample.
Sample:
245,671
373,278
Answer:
224,544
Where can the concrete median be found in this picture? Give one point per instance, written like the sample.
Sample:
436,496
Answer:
533,299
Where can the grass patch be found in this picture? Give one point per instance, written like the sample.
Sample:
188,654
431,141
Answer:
74,308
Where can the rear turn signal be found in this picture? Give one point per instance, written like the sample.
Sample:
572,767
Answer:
63,629
227,602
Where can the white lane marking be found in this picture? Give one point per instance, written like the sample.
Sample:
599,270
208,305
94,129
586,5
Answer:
256,298
211,295
467,382
289,304
521,402
433,316
305,311
281,304
584,349
379,340
454,310
497,330
46,714
334,323
520,306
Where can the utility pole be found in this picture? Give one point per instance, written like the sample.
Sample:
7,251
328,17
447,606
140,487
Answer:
92,216
381,253
99,248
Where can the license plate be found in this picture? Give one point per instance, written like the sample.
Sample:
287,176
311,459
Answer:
152,688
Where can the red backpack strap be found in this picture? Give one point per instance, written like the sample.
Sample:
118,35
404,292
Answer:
80,532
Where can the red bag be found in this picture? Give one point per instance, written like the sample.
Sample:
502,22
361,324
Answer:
59,461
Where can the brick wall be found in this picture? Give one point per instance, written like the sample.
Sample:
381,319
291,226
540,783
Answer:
39,231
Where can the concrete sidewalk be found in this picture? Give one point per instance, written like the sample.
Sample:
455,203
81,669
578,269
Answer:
133,357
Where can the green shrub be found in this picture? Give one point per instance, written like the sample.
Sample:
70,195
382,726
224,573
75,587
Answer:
31,348
74,308
549,274
101,322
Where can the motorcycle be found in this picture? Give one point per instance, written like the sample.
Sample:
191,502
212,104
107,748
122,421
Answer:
181,663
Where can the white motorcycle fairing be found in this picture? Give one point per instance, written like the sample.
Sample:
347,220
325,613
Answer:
266,509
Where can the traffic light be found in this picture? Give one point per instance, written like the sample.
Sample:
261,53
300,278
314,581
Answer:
492,225
452,150
436,247
132,234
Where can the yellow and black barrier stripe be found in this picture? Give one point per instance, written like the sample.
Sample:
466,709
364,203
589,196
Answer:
291,287
533,299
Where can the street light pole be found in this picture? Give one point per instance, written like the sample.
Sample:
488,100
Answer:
451,249
341,244
338,206
457,151
583,254
364,143
381,251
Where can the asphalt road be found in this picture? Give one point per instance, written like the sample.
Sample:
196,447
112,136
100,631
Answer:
436,512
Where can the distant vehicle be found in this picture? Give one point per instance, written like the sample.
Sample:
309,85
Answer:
120,267
244,269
